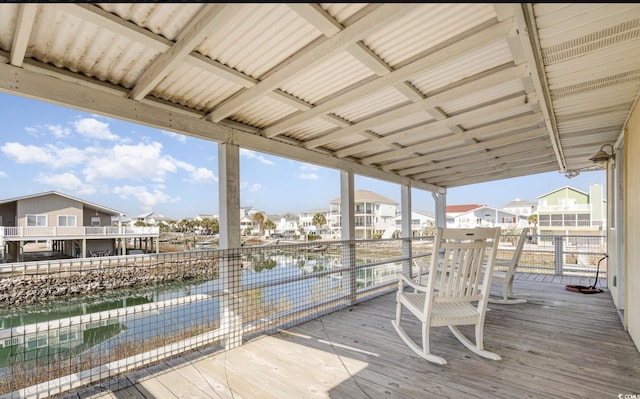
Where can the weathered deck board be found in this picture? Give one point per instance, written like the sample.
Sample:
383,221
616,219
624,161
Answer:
558,344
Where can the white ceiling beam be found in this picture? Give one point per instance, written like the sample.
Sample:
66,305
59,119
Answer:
290,100
515,104
324,49
527,32
26,82
331,118
462,150
479,169
480,160
429,103
316,16
431,145
424,171
190,37
482,38
97,16
326,24
22,32
515,171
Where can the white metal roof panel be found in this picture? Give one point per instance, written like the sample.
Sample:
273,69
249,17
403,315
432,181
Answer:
326,78
382,89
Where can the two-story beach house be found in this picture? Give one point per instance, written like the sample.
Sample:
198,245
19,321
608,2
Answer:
373,213
422,223
69,226
520,207
305,220
571,211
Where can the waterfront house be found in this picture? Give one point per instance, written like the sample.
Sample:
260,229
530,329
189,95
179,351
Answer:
520,206
68,226
473,215
422,223
305,220
373,213
571,211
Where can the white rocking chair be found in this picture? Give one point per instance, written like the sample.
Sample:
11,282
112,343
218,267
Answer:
456,291
505,278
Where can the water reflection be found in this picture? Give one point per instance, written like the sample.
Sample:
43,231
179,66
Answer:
274,284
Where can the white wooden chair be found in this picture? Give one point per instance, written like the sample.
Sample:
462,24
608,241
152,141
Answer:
505,277
456,290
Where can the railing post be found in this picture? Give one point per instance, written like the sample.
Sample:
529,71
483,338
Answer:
231,282
349,259
558,244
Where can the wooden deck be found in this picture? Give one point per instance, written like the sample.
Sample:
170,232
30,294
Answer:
558,345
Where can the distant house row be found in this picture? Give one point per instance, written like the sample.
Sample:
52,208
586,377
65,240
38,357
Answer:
562,211
79,228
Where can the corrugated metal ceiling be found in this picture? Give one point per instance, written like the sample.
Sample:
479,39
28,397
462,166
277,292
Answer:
434,95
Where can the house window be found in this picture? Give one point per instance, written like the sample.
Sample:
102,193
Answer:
37,220
67,221
95,220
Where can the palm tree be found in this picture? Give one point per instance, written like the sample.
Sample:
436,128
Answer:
259,218
212,225
269,225
319,220
185,225
533,219
428,228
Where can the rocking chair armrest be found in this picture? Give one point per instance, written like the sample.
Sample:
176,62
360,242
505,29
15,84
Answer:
404,278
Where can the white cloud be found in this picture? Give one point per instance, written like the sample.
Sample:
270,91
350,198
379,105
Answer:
178,137
197,175
147,199
49,154
203,175
308,176
2,174
93,128
251,187
308,166
59,131
254,155
66,182
138,162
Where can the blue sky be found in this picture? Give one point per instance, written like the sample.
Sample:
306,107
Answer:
136,169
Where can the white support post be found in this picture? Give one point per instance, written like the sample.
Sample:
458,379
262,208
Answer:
405,211
348,231
441,209
230,266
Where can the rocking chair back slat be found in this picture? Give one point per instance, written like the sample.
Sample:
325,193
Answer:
456,290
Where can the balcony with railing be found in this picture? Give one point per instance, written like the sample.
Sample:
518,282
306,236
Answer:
564,208
73,322
40,232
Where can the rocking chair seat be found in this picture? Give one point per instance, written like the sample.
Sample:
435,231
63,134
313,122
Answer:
456,290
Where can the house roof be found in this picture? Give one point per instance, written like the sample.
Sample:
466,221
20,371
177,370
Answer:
561,189
86,204
470,209
317,210
462,208
432,95
427,214
367,196
518,203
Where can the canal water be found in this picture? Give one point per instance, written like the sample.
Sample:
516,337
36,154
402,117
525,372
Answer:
272,282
